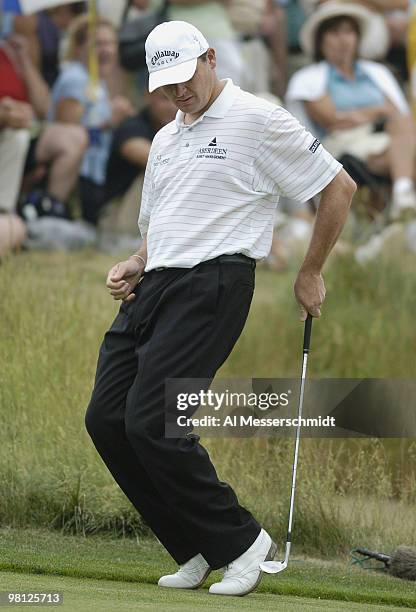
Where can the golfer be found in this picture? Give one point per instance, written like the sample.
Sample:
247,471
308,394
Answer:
211,187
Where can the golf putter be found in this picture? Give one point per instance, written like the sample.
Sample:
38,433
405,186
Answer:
274,567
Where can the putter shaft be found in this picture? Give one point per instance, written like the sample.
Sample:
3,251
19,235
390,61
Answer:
273,567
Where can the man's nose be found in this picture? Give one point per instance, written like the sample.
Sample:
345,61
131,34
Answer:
180,90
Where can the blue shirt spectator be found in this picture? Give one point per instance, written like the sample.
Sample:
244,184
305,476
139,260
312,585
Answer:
81,99
351,94
74,83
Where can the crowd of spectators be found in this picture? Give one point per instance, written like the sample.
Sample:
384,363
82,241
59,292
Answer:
76,129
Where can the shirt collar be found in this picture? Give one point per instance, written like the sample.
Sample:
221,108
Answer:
218,109
338,75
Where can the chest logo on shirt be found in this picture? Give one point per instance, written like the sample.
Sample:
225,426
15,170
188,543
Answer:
212,151
160,160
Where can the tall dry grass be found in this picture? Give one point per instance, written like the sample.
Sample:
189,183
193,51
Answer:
54,310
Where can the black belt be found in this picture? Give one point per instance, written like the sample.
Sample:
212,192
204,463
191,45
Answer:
237,258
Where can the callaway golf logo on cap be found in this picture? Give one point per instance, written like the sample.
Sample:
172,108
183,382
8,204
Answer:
163,57
172,51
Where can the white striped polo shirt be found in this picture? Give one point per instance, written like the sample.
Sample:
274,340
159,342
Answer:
211,188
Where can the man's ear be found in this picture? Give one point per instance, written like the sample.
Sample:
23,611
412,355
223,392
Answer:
211,58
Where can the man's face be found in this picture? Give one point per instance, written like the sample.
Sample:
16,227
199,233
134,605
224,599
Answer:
193,96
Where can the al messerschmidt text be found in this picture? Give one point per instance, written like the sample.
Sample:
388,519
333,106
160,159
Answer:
252,421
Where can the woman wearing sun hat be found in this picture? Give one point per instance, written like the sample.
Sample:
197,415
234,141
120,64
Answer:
345,97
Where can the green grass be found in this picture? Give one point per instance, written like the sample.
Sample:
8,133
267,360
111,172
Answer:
82,595
105,574
85,595
54,310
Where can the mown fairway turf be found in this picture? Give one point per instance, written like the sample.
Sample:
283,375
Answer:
101,571
82,595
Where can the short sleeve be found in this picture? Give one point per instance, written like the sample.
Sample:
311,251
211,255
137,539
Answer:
147,198
129,129
71,86
290,161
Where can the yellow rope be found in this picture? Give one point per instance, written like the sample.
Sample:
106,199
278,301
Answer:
411,59
92,50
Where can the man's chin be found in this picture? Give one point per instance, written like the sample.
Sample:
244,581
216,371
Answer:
190,108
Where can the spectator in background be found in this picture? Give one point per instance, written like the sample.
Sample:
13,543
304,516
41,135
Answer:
295,18
15,119
16,116
12,232
355,105
21,79
132,141
75,101
396,16
119,12
261,25
375,46
44,31
411,56
115,11
389,29
125,172
209,16
212,19
56,149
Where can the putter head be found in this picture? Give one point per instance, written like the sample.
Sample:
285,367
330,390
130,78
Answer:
273,567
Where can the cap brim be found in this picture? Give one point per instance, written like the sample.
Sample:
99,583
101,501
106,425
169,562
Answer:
172,75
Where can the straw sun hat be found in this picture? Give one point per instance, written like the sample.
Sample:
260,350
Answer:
374,37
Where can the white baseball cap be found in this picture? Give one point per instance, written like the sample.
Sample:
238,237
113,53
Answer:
172,51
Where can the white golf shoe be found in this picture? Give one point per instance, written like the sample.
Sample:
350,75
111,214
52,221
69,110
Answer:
190,575
243,574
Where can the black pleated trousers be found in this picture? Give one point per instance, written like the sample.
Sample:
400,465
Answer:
183,323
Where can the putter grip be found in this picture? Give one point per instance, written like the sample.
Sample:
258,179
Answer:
307,334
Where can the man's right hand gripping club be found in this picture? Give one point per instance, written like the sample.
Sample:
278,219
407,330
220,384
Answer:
124,276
